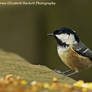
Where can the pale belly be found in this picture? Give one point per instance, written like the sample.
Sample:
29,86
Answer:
73,60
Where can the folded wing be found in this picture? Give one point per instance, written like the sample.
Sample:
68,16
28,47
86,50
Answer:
82,50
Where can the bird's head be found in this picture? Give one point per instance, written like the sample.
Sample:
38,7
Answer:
65,36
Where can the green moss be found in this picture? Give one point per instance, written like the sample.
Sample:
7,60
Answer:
11,63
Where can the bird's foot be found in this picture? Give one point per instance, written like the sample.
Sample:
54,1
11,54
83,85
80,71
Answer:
58,71
66,73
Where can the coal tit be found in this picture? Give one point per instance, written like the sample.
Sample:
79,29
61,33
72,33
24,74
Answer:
71,50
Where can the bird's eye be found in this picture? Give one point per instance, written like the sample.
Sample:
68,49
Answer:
57,32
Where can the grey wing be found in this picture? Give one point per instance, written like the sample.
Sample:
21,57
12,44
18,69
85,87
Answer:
81,49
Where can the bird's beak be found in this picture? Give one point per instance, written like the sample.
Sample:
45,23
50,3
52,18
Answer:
50,34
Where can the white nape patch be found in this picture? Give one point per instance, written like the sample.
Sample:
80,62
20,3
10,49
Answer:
68,39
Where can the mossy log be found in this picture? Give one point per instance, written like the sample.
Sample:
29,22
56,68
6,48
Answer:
11,63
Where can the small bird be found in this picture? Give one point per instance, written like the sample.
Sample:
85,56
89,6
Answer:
71,50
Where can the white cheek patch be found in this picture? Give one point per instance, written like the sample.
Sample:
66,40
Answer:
63,37
68,39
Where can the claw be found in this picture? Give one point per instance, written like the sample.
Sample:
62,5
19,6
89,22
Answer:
58,71
65,73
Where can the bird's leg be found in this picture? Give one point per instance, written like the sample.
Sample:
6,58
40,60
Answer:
58,71
68,75
67,71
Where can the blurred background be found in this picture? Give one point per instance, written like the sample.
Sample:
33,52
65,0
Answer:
24,29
